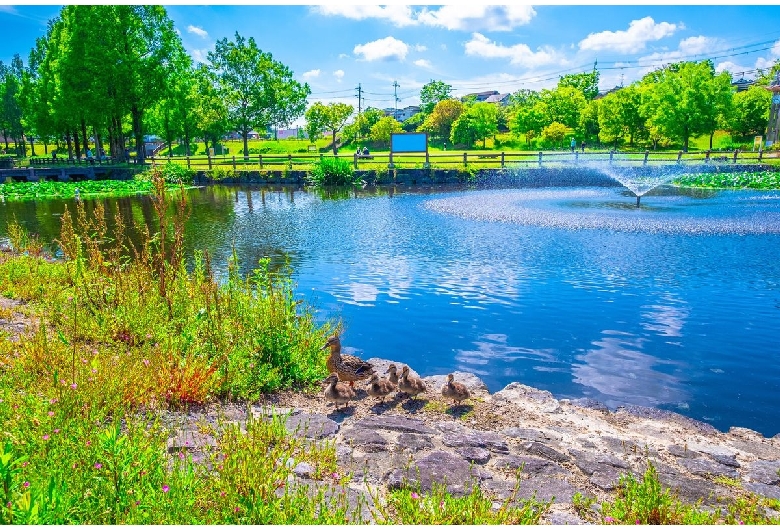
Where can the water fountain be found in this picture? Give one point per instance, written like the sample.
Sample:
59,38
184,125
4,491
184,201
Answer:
639,180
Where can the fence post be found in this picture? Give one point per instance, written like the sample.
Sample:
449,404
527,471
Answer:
390,165
355,157
611,155
647,153
707,157
465,159
289,160
260,160
502,159
760,154
679,157
208,154
234,162
540,159
427,159
736,152
188,161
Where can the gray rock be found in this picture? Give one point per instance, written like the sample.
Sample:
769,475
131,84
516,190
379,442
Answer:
625,447
365,440
590,463
414,442
773,492
311,425
546,489
188,440
682,451
744,432
475,455
764,472
588,403
689,490
539,449
519,393
489,440
531,465
438,467
394,422
726,460
561,518
380,365
472,382
666,415
760,449
525,434
304,470
705,467
606,477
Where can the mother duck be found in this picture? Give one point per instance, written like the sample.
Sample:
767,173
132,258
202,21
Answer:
347,367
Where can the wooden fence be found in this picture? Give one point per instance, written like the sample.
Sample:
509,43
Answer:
454,160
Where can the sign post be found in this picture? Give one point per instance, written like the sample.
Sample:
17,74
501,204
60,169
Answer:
409,143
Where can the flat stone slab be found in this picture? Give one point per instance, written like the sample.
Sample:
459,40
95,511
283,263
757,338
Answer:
190,441
311,425
773,492
438,467
380,365
606,477
368,441
591,462
589,403
475,455
393,422
681,451
764,472
520,393
487,440
546,489
689,490
414,442
533,435
472,382
532,465
539,449
667,415
705,467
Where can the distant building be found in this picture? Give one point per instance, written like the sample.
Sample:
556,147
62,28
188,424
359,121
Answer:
402,114
480,96
499,99
742,84
284,134
604,93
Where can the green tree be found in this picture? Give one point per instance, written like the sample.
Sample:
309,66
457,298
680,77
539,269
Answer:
440,121
10,109
556,134
619,115
332,116
589,122
381,130
586,83
529,119
432,93
258,90
209,109
563,105
751,112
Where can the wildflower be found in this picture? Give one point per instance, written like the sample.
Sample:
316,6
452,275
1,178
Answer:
609,520
94,352
25,464
146,362
222,493
45,436
53,401
73,386
88,443
98,465
94,370
51,413
335,476
27,485
83,361
73,466
181,455
137,503
9,504
237,509
165,488
56,431
415,495
638,521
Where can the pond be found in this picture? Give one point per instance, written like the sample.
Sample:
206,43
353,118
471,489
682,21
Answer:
675,304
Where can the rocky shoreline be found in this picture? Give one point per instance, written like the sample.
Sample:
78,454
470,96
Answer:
563,446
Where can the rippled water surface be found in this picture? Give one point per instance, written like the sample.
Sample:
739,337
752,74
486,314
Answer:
576,291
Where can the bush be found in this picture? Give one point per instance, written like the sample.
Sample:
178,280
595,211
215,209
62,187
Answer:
333,172
172,173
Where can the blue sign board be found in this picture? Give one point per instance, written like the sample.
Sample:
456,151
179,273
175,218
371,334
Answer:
409,142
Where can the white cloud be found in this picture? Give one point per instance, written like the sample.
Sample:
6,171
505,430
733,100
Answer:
385,49
398,15
688,50
519,54
632,40
177,30
343,55
476,17
200,56
311,74
460,17
420,48
423,63
339,75
200,32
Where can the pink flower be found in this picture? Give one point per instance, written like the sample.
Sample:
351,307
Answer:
638,521
415,495
84,361
98,465
56,431
53,401
237,509
137,503
222,494
45,436
181,456
51,413
73,386
146,362
165,488
26,484
94,370
609,520
88,443
25,464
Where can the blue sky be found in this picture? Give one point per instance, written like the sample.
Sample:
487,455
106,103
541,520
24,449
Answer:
473,47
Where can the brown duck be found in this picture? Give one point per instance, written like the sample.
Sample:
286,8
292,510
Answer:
347,367
380,388
410,384
393,377
457,392
337,392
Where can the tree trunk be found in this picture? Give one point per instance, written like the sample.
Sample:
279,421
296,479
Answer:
140,148
32,147
5,136
186,138
246,143
78,145
84,134
334,143
70,146
98,142
711,135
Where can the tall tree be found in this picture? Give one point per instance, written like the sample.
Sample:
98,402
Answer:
751,112
587,83
209,110
441,120
258,90
477,122
432,93
384,128
332,116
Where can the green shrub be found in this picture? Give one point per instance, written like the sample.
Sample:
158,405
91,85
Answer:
172,173
220,173
333,172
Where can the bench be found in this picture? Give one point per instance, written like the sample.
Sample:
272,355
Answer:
365,157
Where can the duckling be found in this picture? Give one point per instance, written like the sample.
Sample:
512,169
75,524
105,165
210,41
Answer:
393,374
337,392
380,388
455,391
347,367
410,384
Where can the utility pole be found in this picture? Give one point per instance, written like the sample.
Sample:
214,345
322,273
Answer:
359,96
395,97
